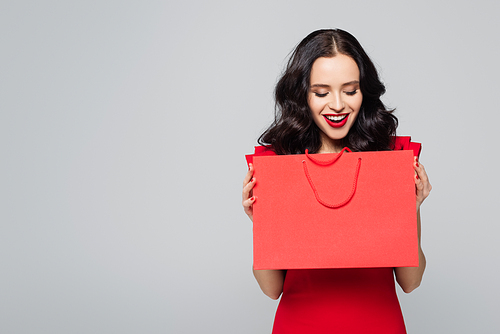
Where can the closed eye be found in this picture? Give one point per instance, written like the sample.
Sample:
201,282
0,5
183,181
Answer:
321,95
352,92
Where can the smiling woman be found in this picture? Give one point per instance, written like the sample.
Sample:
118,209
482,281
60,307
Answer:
329,98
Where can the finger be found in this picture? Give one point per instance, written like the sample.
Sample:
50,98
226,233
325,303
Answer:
422,186
249,174
418,183
420,170
423,176
248,206
247,189
249,202
416,166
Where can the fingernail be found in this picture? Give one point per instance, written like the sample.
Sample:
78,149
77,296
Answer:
252,198
253,179
416,164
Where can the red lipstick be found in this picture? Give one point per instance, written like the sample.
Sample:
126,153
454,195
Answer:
336,124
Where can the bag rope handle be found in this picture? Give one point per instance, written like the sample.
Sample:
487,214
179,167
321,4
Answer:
316,194
328,162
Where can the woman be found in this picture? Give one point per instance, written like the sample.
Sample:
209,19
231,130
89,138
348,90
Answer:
329,98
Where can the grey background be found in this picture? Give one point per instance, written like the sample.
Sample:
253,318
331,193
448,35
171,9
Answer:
123,127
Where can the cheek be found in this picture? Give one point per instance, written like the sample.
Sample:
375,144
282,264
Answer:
315,106
356,106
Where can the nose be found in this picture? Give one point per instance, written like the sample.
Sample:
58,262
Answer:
336,104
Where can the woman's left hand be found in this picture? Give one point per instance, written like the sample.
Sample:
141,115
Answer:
422,184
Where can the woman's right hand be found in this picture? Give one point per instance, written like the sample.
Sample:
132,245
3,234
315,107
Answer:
247,196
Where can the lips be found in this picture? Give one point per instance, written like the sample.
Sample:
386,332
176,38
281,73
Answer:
336,120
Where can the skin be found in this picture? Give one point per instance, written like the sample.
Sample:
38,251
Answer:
335,90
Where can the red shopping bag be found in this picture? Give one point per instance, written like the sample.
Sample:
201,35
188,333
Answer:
345,210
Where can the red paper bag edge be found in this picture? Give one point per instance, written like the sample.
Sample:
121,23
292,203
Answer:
398,143
259,151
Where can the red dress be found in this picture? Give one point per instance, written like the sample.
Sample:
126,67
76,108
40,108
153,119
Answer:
340,300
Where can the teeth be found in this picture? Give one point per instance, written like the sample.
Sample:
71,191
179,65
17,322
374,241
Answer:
335,118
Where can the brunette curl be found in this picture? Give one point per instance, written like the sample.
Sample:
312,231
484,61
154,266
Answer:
293,130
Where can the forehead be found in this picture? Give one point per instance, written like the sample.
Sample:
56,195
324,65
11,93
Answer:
334,70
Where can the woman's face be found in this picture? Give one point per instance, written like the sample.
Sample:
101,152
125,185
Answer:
334,98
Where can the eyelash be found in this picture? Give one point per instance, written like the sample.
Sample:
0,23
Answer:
351,93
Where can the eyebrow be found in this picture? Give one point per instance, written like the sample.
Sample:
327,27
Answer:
354,82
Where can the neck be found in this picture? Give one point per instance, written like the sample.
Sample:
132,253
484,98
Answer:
330,146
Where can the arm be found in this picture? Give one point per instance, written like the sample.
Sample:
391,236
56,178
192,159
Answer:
270,281
409,278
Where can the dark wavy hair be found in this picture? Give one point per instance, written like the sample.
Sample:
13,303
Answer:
294,130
